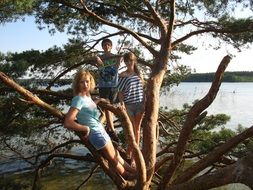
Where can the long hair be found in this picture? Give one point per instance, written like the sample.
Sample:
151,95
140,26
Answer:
127,57
78,77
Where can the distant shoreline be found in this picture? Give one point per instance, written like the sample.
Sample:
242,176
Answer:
238,76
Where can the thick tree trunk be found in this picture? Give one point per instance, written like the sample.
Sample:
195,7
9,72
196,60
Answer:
151,116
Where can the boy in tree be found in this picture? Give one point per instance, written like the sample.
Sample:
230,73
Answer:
108,80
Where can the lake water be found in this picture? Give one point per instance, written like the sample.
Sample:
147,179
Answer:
233,99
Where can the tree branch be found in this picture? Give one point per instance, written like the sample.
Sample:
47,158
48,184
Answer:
171,22
30,97
157,18
119,181
107,22
239,172
91,61
208,30
190,122
213,156
121,113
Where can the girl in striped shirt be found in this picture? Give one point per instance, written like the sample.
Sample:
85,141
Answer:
131,94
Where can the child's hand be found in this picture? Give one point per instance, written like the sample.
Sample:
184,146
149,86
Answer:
98,60
86,133
96,99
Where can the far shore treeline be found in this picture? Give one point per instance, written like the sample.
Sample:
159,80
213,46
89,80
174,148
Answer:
239,76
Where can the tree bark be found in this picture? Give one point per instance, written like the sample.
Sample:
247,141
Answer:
213,156
150,120
239,172
192,118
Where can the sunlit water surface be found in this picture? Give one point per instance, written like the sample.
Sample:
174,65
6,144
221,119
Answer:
233,99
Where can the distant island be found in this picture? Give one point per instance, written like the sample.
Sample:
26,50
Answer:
239,76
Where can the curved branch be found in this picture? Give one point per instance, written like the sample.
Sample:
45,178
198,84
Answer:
53,149
89,176
121,113
149,38
190,122
142,16
104,37
91,61
208,30
51,157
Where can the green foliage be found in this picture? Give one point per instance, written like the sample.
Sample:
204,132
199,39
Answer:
214,139
25,122
237,38
179,74
17,118
66,16
11,184
213,122
222,7
188,49
47,64
206,135
14,10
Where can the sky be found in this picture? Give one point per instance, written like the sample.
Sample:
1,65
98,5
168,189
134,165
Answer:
21,36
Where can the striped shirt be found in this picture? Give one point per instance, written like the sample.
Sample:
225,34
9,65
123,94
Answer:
132,89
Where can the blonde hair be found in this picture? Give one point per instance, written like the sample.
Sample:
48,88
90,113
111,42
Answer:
78,77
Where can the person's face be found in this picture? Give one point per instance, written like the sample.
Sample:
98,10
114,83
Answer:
130,62
107,47
84,84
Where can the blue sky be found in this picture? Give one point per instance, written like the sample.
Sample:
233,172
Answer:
21,36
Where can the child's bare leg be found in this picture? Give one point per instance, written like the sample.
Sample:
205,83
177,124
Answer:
116,160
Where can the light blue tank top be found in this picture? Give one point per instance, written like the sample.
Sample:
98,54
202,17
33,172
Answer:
88,112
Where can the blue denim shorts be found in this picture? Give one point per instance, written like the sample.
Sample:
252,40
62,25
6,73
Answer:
99,138
134,109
